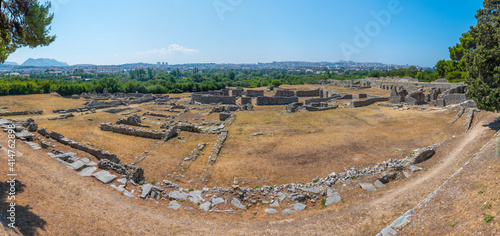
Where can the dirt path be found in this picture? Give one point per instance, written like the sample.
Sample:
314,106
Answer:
56,201
447,160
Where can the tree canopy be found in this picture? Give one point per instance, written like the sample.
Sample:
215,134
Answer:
23,23
483,61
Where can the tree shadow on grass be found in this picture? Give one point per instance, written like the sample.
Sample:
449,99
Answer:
26,221
495,125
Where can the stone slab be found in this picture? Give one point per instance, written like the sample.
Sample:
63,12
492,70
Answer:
379,184
299,207
87,171
271,211
104,176
238,204
146,190
177,195
174,205
367,186
205,206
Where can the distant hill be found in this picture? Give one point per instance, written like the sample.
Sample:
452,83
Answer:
9,63
43,62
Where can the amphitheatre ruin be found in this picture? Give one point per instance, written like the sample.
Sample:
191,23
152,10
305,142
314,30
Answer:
363,157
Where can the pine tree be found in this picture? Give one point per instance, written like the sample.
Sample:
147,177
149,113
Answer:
23,23
483,62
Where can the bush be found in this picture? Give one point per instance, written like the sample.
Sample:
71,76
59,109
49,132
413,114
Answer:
488,218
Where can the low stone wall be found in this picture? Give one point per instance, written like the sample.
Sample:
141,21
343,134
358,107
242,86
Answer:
246,100
313,100
218,146
207,99
20,113
264,101
308,93
156,114
255,93
284,93
366,102
237,92
99,154
135,173
122,129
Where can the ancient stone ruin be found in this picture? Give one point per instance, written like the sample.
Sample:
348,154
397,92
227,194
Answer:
99,154
263,101
134,120
122,129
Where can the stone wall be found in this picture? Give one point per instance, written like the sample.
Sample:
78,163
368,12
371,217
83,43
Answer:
448,99
367,102
20,113
99,154
122,129
135,173
255,93
218,146
263,101
131,120
308,93
246,100
237,92
313,100
206,99
284,93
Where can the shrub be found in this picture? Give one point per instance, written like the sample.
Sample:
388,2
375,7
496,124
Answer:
488,218
453,224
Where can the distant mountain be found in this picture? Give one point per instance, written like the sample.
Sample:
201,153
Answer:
44,62
9,63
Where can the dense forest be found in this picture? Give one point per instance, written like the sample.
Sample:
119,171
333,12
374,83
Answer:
175,81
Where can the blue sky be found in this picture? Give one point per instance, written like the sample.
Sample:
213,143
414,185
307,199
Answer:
249,31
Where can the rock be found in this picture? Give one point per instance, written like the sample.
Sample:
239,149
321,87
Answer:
146,190
388,176
174,205
415,168
367,186
287,211
379,184
275,203
422,154
104,176
314,190
128,194
217,200
77,165
299,198
177,195
270,211
407,174
87,171
122,180
195,196
238,204
205,206
335,197
299,207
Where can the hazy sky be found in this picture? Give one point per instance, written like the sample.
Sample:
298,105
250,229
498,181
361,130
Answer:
248,31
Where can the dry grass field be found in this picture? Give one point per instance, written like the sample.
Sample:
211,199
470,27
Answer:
293,147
